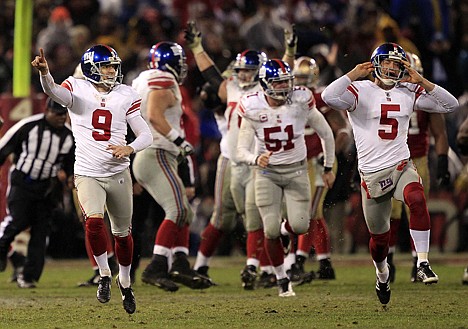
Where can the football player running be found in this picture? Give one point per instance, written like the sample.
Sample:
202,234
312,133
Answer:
275,119
100,108
234,185
421,123
379,113
156,167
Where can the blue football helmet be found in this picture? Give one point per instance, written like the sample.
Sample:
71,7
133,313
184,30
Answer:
275,70
248,60
390,51
170,57
96,57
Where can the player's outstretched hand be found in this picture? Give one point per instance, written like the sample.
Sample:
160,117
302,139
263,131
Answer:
290,41
193,37
40,63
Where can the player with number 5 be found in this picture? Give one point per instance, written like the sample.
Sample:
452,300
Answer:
379,112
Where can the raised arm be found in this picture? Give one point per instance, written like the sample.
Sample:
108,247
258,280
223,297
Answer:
205,64
58,93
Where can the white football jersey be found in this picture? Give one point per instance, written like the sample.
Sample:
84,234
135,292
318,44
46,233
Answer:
234,95
155,79
99,120
380,123
279,129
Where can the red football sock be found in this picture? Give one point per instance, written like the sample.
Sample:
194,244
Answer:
96,235
255,244
124,249
274,250
167,234
321,237
210,238
378,246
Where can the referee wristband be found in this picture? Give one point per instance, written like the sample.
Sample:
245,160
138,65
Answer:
174,137
327,169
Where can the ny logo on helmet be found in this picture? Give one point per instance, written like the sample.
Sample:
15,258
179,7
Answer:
88,57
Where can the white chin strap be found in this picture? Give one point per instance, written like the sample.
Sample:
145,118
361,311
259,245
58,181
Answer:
388,82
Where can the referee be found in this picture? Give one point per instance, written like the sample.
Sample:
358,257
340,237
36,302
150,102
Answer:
42,147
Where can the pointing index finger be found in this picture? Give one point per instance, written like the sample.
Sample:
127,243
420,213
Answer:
41,52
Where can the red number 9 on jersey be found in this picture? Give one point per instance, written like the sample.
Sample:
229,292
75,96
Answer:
102,120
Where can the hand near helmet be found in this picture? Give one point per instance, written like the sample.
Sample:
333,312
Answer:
193,38
290,41
412,76
361,71
40,63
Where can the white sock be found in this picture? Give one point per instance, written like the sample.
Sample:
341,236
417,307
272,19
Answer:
124,275
381,269
201,260
103,264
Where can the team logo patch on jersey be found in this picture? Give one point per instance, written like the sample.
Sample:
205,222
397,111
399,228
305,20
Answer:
263,118
386,183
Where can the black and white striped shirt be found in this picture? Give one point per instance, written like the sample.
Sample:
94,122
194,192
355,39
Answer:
39,149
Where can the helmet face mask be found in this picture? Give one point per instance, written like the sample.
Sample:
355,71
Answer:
273,73
94,62
306,72
384,70
169,57
246,67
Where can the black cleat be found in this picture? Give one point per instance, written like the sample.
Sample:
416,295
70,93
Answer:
17,260
326,271
298,276
426,275
383,291
128,298
266,280
159,280
248,277
104,289
285,288
24,283
203,272
183,274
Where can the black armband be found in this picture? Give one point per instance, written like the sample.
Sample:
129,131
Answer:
327,169
179,140
213,76
184,173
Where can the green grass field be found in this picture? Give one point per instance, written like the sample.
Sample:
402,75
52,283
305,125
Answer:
348,302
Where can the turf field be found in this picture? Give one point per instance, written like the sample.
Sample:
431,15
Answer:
348,302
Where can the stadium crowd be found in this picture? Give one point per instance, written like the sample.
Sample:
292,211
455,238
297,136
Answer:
337,34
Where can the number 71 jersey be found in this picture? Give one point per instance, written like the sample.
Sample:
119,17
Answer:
280,129
97,121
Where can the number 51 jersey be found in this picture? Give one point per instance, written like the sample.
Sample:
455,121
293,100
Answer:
280,129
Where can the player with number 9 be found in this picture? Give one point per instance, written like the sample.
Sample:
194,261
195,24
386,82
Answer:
100,107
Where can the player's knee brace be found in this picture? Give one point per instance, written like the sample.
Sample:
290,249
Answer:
416,202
